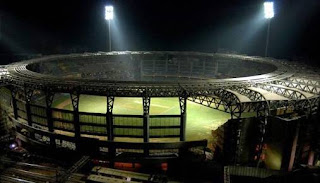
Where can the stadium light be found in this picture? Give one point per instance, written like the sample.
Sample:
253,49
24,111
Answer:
13,145
108,12
109,16
268,10
268,14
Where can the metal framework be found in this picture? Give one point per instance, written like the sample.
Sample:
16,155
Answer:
186,75
110,102
219,99
49,100
183,117
146,118
75,104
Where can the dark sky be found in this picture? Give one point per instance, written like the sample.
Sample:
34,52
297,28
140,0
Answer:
64,26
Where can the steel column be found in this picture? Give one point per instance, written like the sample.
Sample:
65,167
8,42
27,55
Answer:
14,102
28,95
238,124
75,103
183,117
146,118
49,100
109,31
262,115
146,121
110,102
267,39
294,147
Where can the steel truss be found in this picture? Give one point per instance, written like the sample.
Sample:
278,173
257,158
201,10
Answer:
110,102
75,96
297,99
309,86
183,116
220,94
49,100
219,99
307,81
3,75
146,117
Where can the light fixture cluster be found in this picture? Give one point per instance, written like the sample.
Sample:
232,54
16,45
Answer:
268,10
108,12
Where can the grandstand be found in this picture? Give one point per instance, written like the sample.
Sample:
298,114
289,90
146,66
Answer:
243,87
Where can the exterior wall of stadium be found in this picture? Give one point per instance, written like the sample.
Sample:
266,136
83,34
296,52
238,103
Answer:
265,88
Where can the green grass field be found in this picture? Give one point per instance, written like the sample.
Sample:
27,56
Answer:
201,120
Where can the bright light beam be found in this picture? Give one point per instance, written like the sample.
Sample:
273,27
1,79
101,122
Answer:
108,12
268,10
109,16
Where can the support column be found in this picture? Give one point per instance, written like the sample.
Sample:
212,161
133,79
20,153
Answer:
288,138
231,141
110,102
315,137
14,102
294,147
263,121
239,142
75,103
49,100
146,121
146,118
109,117
28,95
183,117
311,158
262,115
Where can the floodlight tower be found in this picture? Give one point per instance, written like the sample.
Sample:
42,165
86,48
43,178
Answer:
268,14
109,16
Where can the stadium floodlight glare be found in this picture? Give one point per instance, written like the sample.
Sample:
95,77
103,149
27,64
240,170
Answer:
268,14
13,145
268,10
109,16
108,12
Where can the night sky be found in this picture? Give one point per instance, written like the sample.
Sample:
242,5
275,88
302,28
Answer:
66,26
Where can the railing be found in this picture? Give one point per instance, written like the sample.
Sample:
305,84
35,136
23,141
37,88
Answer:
161,126
114,149
250,171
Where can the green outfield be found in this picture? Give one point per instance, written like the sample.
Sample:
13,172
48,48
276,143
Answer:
201,120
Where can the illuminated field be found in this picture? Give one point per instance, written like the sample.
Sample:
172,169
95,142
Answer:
200,120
